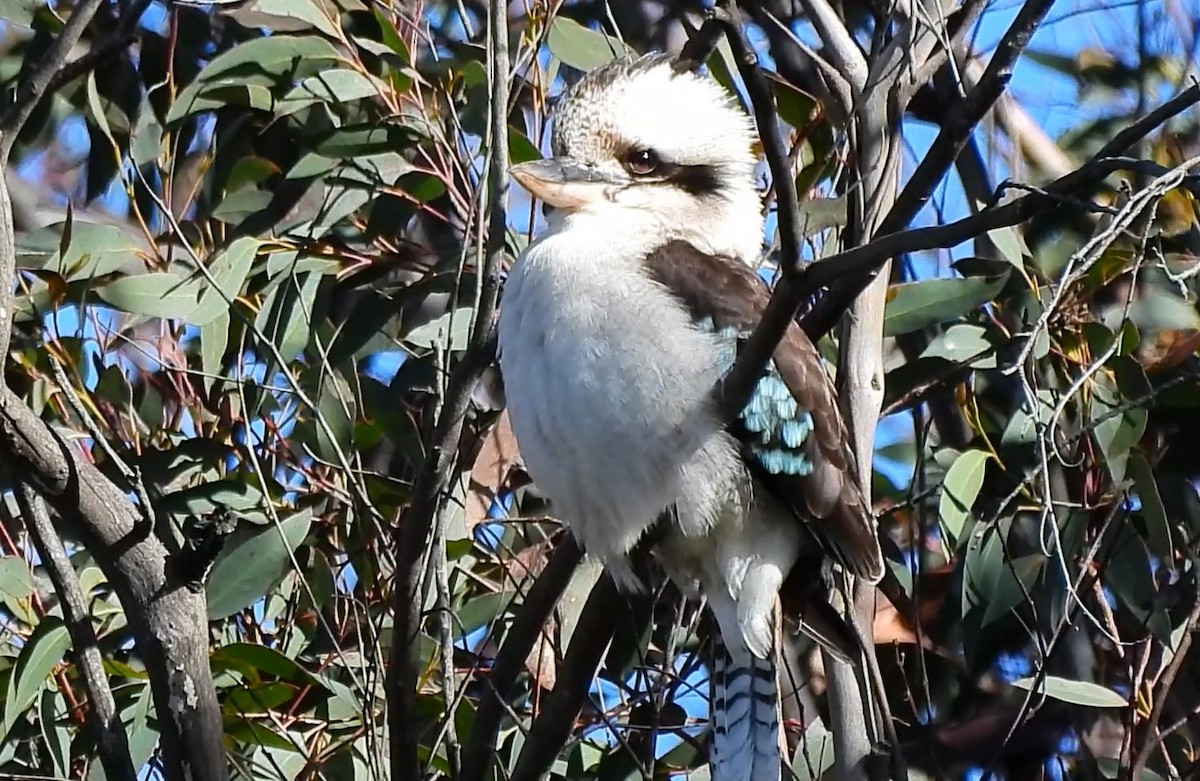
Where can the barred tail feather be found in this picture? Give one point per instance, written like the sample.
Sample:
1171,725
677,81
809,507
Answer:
745,715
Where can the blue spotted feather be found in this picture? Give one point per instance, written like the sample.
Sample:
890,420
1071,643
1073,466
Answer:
780,427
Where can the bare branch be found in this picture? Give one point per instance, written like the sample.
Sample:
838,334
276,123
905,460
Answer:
526,628
561,709
111,740
859,263
440,462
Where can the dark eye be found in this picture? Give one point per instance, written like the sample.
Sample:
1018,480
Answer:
642,162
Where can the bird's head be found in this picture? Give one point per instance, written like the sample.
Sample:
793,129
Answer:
645,142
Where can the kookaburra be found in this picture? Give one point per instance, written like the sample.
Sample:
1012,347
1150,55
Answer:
616,324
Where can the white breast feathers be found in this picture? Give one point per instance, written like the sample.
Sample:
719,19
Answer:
608,388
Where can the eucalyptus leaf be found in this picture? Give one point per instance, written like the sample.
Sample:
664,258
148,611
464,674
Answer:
912,306
251,564
581,48
960,489
1075,692
39,655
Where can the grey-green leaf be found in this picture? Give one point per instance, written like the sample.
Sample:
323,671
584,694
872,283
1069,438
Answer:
1075,692
251,565
39,655
580,47
155,294
960,489
915,305
963,342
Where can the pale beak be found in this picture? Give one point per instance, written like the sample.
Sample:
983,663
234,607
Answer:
563,182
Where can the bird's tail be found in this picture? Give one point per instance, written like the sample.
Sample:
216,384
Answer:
745,714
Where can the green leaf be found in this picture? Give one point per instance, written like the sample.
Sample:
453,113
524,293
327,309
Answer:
814,754
286,317
912,306
92,250
96,109
452,330
209,497
310,13
214,338
520,148
15,580
145,144
1116,430
162,294
52,721
228,270
336,85
361,140
338,407
38,658
255,63
1010,244
961,343
237,206
960,489
481,611
253,661
249,567
1075,692
581,48
1158,528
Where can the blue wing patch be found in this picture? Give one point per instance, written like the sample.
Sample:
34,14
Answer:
776,423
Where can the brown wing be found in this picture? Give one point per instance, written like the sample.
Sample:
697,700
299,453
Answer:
730,295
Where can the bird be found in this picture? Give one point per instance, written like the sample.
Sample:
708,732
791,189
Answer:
616,323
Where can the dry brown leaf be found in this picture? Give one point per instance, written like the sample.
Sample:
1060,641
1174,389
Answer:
496,458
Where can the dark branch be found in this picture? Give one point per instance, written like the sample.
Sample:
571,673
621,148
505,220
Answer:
169,624
510,661
112,743
33,87
561,709
734,391
440,462
845,286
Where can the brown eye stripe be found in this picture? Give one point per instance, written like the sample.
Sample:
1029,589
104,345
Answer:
694,179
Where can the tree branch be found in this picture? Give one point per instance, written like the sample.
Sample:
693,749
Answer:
859,263
554,724
169,622
527,626
429,492
111,740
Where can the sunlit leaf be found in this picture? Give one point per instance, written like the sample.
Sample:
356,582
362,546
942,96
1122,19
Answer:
1075,692
40,654
961,343
451,330
336,85
154,294
580,47
228,271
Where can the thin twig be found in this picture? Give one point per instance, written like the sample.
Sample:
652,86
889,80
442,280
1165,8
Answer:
1150,737
429,492
112,744
510,661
